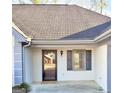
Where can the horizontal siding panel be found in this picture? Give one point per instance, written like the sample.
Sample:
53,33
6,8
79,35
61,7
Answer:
18,80
17,62
17,65
17,50
18,57
18,73
17,44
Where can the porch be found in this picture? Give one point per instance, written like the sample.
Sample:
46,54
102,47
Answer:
88,86
34,69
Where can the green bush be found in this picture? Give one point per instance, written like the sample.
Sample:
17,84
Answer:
16,87
23,85
100,89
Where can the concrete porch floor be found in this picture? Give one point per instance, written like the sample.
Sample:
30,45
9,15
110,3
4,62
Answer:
66,87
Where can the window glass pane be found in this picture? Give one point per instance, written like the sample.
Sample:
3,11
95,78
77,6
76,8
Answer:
81,60
69,60
88,60
78,60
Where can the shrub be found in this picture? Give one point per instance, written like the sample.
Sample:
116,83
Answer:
16,87
23,86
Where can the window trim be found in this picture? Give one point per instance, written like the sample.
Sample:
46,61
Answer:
79,51
84,51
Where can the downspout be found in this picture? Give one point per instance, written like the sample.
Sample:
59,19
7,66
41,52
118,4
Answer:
23,58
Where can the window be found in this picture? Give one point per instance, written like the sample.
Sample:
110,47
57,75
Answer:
79,60
88,60
69,60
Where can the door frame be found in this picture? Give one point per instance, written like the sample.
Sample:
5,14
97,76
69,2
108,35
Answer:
55,51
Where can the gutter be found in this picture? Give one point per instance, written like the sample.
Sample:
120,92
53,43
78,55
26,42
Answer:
71,42
28,39
103,36
61,42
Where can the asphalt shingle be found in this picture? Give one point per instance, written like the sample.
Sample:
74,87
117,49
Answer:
52,22
91,33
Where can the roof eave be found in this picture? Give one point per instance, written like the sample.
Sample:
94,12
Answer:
18,30
103,36
62,42
70,42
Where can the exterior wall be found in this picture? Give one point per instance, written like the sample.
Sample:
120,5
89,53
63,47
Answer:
17,62
13,81
62,73
101,66
109,69
17,57
37,64
27,65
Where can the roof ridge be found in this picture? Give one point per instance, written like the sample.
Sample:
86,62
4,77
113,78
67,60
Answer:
46,4
62,5
91,11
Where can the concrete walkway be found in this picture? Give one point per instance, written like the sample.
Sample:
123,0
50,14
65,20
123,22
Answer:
66,87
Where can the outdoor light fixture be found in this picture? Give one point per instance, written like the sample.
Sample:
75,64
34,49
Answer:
61,52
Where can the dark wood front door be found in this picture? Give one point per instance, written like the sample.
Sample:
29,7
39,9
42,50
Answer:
49,65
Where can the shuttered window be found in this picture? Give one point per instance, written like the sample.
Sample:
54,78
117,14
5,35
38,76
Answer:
88,60
79,60
69,60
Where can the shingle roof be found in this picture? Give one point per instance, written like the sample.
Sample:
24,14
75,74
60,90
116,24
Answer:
50,22
90,33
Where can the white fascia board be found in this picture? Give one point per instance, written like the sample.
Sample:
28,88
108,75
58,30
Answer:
17,29
65,46
71,42
103,36
62,42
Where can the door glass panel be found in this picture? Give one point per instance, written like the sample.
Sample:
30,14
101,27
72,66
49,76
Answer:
49,65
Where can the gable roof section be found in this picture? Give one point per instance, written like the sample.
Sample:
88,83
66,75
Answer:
90,33
55,22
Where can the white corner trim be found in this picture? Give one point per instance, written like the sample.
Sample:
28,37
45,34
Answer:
17,29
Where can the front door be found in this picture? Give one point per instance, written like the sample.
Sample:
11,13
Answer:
49,65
